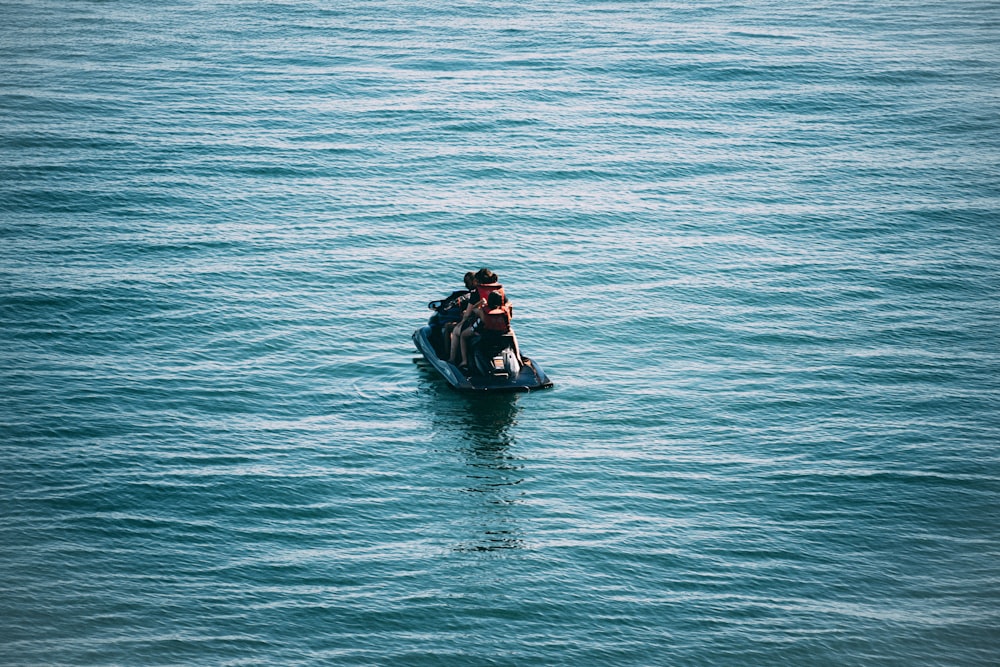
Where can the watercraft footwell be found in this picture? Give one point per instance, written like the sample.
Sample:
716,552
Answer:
529,377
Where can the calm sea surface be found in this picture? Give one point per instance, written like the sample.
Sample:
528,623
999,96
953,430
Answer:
757,248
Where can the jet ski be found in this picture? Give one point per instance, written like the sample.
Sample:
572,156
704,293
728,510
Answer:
493,363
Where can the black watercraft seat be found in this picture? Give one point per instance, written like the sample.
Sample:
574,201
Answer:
490,343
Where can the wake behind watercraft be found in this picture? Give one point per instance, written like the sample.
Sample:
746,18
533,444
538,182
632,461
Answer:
493,361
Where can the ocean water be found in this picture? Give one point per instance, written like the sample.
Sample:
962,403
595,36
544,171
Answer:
756,246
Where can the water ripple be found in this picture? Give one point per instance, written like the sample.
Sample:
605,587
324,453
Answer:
754,247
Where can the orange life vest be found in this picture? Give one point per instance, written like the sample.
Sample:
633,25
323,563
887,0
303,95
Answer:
497,320
484,290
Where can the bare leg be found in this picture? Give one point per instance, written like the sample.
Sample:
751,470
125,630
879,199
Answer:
464,344
446,338
517,350
455,332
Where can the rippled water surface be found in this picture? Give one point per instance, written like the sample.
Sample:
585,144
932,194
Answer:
757,249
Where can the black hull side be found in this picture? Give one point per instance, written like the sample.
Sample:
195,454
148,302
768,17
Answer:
530,378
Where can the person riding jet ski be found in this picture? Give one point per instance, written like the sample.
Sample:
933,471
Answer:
476,322
493,317
484,283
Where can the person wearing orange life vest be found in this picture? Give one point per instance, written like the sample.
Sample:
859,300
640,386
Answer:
485,281
493,320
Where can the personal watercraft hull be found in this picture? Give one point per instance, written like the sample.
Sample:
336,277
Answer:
530,377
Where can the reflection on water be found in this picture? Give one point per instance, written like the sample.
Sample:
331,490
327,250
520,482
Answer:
479,428
494,471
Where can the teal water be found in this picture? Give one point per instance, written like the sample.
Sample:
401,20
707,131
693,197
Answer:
757,248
